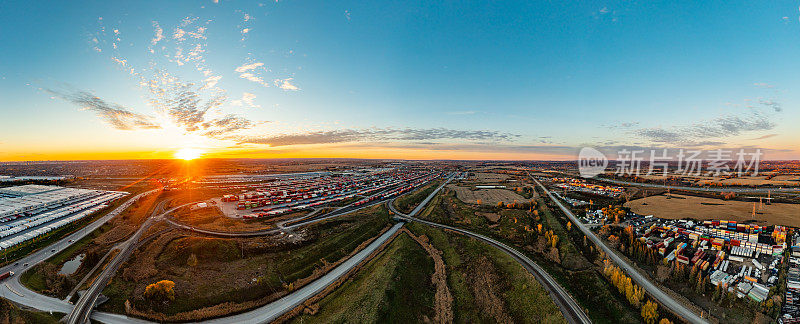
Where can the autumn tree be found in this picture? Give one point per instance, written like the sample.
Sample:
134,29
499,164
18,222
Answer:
160,291
650,312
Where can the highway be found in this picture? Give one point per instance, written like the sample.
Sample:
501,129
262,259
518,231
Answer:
667,301
572,312
13,290
272,311
85,304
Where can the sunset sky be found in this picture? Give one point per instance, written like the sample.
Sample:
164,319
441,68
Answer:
395,79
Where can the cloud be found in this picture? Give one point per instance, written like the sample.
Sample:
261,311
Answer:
604,10
286,84
377,134
763,85
224,126
717,128
178,34
463,112
247,101
248,67
764,137
622,125
347,15
772,104
211,81
159,34
113,114
246,72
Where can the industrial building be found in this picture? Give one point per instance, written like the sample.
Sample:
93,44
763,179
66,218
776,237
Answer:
29,211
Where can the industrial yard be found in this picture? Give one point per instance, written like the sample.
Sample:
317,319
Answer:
757,210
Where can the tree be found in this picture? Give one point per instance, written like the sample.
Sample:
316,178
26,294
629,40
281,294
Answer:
650,312
192,261
160,291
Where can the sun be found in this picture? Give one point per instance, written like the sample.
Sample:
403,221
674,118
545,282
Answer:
188,154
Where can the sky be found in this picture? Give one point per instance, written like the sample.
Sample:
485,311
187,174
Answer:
511,80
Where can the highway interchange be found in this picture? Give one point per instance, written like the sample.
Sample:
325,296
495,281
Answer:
13,290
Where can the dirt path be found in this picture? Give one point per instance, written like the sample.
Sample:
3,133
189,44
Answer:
443,300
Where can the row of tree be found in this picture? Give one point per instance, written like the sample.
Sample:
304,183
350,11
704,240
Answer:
633,293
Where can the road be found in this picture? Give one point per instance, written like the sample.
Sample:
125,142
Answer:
84,306
295,223
12,289
281,306
667,301
572,312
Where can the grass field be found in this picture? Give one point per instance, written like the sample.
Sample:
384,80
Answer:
679,207
395,287
407,202
217,276
486,196
487,285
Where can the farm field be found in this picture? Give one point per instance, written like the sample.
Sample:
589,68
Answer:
486,196
701,208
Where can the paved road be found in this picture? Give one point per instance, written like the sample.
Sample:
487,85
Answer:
12,289
573,313
673,305
281,306
295,223
84,306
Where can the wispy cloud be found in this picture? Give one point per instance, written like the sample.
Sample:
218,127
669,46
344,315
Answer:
159,34
113,114
246,72
286,84
764,137
462,112
248,67
248,100
776,106
377,135
763,85
717,128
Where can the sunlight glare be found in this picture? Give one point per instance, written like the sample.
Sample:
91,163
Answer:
188,154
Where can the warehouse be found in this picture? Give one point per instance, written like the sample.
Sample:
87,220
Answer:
26,200
27,212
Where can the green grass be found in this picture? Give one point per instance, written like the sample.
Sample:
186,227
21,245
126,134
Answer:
407,202
393,288
525,299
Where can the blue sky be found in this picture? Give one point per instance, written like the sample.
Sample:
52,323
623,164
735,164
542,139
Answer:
396,79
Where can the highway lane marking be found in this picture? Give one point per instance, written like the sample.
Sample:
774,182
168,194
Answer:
14,291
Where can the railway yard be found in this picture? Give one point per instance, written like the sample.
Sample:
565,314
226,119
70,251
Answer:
487,243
